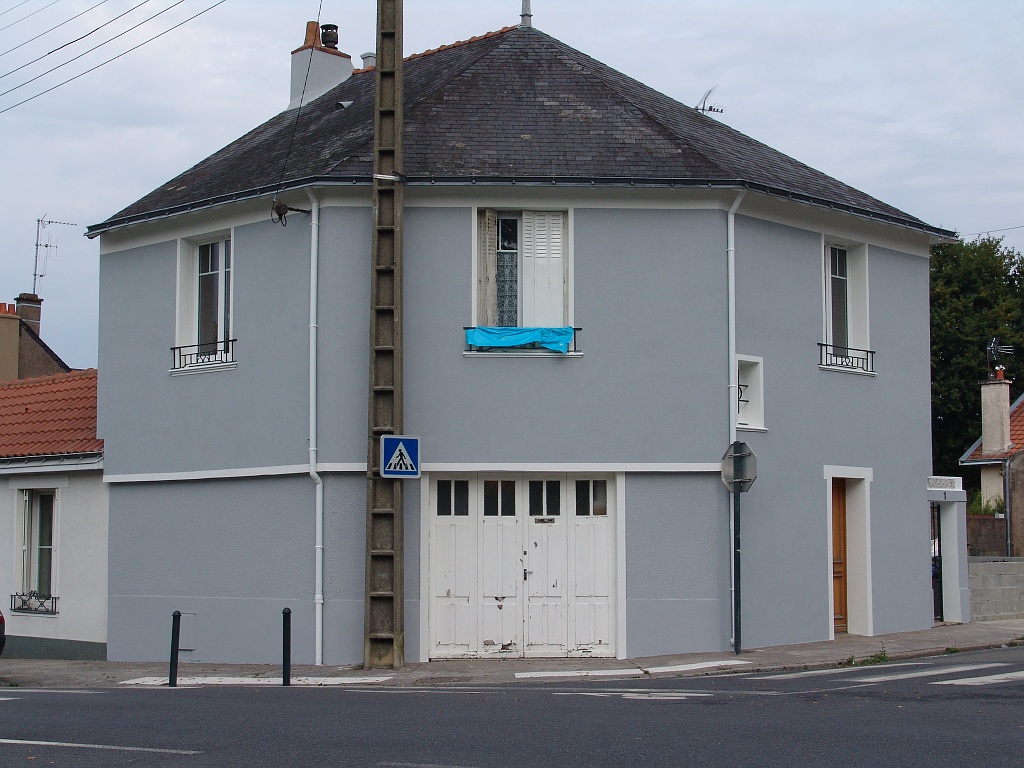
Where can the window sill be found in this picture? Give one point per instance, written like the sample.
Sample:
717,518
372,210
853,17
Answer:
840,369
202,368
522,353
750,428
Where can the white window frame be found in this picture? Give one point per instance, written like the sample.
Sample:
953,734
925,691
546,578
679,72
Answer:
481,273
857,293
29,547
187,300
750,392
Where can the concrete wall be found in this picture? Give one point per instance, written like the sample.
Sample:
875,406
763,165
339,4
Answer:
997,588
79,629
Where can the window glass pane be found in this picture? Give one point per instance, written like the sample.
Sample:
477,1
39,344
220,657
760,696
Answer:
444,497
44,544
209,310
600,497
508,498
227,292
536,498
840,323
508,234
490,498
583,497
462,498
554,497
838,262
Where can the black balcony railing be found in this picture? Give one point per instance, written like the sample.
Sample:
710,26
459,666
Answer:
846,357
33,602
194,355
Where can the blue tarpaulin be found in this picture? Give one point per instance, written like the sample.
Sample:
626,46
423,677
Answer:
557,339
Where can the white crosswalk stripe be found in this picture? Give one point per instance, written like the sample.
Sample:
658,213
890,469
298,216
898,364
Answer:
1006,677
934,672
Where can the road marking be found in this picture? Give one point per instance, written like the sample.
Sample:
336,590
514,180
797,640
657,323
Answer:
1006,677
8,699
818,672
624,672
295,681
421,765
926,673
110,747
638,695
697,665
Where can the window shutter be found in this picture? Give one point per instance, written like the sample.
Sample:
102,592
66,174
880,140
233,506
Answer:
543,269
487,294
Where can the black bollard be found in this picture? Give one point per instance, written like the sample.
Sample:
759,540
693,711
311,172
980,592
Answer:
286,646
172,677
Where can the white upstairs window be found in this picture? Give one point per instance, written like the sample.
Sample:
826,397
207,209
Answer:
846,343
204,307
523,272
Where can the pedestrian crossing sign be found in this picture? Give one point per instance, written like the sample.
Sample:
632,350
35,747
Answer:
399,456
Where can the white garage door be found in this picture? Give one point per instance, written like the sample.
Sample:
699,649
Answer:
521,565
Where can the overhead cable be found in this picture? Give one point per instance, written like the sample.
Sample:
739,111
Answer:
77,39
85,53
113,58
51,29
27,17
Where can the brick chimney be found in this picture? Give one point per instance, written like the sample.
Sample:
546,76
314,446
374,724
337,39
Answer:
30,308
10,326
320,57
995,413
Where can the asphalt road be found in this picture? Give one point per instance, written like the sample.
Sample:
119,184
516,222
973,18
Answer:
962,710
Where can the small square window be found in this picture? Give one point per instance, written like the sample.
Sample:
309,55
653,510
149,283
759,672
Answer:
749,392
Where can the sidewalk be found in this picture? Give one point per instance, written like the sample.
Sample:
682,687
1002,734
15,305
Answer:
36,673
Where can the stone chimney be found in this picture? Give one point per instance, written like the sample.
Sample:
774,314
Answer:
325,64
995,413
30,309
10,326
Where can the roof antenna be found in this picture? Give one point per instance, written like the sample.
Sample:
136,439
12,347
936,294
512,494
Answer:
994,350
526,17
704,108
41,224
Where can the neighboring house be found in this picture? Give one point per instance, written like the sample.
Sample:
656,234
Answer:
53,513
570,503
999,454
23,355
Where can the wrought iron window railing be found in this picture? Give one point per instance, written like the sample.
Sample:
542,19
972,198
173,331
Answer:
212,353
846,357
518,348
33,602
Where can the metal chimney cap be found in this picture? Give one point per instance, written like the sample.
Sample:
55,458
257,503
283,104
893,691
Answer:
329,35
526,18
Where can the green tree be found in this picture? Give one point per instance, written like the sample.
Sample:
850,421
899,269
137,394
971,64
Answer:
977,293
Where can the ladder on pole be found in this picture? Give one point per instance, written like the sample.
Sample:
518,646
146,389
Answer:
384,624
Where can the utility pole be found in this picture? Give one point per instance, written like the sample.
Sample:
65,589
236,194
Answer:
384,624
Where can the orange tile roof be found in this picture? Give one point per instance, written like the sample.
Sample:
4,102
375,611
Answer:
49,416
1016,437
449,46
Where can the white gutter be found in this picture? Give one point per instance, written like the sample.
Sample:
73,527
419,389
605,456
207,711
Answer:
733,394
314,270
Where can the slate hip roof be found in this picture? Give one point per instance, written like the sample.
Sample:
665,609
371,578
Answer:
514,106
49,416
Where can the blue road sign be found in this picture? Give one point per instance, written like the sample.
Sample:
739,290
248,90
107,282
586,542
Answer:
399,456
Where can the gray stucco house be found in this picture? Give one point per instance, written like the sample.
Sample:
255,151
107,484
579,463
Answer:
570,503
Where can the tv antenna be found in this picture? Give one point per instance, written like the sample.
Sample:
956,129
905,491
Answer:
995,350
704,108
42,224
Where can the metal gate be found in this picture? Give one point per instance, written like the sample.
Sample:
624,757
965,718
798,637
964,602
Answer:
936,562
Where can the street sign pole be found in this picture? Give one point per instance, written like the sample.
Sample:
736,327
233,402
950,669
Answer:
739,470
736,493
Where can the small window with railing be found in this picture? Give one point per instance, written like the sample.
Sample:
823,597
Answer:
38,519
204,332
846,344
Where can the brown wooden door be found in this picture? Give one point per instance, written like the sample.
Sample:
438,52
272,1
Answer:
839,554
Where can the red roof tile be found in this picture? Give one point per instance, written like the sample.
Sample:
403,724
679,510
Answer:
49,416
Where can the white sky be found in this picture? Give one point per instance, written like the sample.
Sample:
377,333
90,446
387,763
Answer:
917,102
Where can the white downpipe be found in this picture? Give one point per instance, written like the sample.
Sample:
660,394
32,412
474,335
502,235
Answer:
733,394
314,269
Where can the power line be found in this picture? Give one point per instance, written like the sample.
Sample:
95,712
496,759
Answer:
4,13
990,231
51,29
27,17
77,39
85,53
114,58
